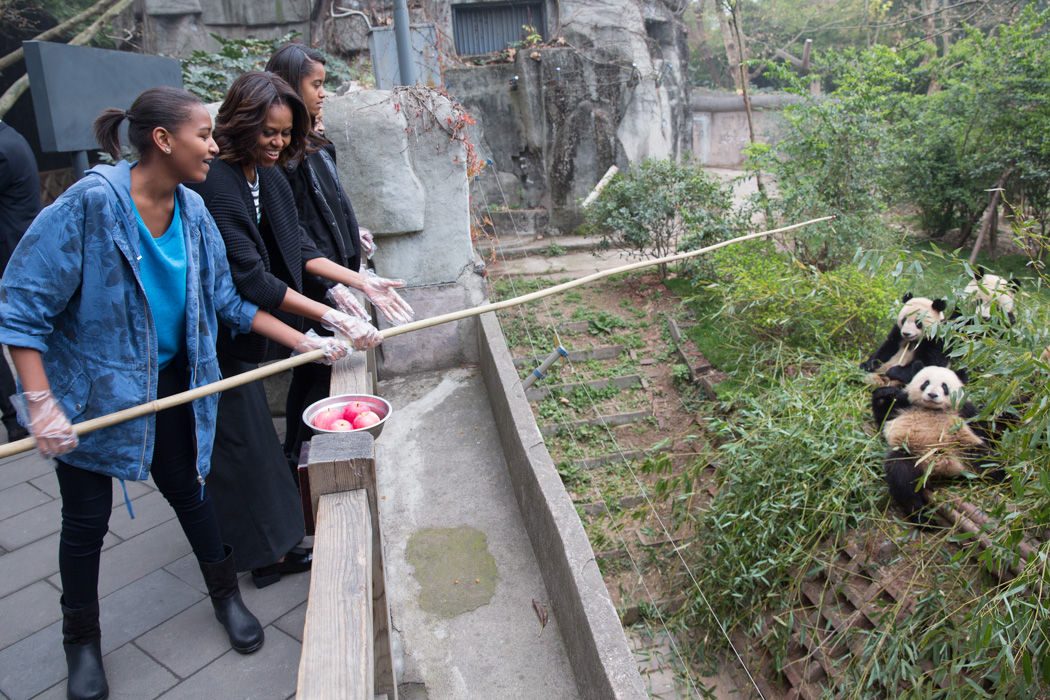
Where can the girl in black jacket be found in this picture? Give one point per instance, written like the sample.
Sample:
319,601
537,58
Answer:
328,219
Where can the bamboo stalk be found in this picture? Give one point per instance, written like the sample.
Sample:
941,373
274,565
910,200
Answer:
13,448
8,99
58,30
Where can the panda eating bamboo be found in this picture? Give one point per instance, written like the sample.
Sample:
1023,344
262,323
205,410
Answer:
928,428
910,343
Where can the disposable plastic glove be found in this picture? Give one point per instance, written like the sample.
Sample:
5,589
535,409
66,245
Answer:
368,244
344,299
334,349
380,291
360,332
47,422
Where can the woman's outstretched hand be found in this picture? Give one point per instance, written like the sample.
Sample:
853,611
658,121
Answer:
381,292
360,332
334,349
47,422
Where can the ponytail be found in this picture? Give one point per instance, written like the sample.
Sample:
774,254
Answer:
164,107
107,130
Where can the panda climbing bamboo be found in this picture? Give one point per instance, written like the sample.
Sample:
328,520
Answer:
929,430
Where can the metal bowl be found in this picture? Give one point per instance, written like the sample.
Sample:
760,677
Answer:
380,406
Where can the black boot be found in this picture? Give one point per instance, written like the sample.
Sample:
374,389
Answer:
82,642
246,634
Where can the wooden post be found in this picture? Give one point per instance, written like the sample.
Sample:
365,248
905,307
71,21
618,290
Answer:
334,664
346,462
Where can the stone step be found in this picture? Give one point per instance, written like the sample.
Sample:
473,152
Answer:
605,352
536,393
519,223
514,247
612,421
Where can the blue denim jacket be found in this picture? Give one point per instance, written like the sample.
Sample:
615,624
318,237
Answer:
72,290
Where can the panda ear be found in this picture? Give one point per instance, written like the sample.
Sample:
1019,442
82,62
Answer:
1014,284
906,298
939,305
917,367
978,273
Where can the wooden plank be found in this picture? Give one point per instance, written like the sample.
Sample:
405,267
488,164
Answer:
350,376
337,659
346,462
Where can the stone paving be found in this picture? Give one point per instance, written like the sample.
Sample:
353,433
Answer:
160,638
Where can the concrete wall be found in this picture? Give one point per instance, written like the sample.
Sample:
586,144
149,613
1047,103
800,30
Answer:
601,660
720,130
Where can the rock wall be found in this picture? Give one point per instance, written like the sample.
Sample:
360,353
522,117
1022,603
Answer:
612,90
405,169
720,130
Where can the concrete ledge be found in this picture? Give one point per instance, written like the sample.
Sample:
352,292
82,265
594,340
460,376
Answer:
601,660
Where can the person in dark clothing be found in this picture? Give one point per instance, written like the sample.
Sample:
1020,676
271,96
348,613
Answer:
262,123
113,299
19,205
325,213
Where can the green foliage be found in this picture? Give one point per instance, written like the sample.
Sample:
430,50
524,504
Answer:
209,75
659,207
827,161
777,298
989,117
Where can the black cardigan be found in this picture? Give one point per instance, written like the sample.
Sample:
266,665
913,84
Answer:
265,258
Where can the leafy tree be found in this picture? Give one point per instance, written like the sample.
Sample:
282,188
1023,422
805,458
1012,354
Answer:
658,206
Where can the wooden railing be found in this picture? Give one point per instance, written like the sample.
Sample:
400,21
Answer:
346,641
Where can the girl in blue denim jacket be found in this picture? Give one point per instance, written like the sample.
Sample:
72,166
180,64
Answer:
112,299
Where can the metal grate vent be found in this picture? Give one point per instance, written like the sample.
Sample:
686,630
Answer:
485,27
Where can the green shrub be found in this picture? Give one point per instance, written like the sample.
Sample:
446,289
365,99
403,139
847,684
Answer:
658,207
209,75
775,297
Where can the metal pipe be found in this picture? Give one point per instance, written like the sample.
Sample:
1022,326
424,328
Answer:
541,371
403,40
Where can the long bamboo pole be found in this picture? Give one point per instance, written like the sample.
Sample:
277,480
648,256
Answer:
13,448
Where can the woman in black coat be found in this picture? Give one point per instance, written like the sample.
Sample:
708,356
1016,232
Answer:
262,123
328,219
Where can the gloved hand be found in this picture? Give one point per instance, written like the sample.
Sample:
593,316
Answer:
360,332
334,349
46,421
380,291
345,301
368,244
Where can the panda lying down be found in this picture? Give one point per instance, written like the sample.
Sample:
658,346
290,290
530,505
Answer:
926,429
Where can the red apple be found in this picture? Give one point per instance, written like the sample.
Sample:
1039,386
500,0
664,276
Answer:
341,424
354,409
326,416
365,420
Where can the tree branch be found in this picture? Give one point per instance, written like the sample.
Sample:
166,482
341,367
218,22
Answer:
58,30
8,99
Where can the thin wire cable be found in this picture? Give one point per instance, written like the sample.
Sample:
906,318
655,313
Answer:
634,475
572,436
644,493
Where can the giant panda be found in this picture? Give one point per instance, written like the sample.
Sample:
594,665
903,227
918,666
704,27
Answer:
909,341
928,429
991,292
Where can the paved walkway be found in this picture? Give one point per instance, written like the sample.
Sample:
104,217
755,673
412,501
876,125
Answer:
160,638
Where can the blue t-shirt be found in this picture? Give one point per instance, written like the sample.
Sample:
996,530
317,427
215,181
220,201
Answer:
163,268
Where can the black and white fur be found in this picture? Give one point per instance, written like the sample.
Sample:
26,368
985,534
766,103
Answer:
909,341
991,292
928,428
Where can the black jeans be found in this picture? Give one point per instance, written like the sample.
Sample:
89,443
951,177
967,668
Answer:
87,500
